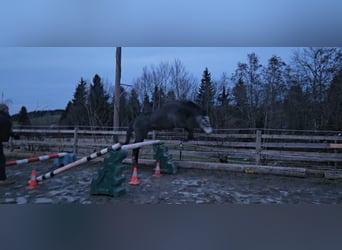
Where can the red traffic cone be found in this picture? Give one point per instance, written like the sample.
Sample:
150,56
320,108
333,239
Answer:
157,170
134,180
33,181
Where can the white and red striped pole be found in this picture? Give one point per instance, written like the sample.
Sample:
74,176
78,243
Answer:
33,159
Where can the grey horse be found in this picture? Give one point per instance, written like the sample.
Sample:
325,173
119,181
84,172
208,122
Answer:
176,114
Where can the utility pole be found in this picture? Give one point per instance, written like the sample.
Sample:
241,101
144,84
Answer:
116,122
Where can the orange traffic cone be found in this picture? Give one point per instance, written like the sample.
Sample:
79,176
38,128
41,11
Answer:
157,170
33,181
134,180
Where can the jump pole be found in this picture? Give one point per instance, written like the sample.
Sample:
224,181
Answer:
114,147
33,159
139,144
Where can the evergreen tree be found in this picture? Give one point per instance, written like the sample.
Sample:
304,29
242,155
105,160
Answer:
123,118
158,98
334,103
79,113
171,96
206,93
223,114
134,106
240,111
223,100
65,116
23,118
147,106
294,108
99,107
76,112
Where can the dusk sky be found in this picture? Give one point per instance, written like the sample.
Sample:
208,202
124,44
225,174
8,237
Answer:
45,78
47,46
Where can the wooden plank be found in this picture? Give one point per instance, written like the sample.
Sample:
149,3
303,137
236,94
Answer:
335,145
323,149
205,152
209,144
293,145
257,169
302,156
302,137
333,175
223,144
250,135
249,169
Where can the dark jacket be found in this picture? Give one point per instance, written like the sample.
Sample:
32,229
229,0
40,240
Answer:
5,127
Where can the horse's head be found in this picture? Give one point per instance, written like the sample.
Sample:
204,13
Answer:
204,123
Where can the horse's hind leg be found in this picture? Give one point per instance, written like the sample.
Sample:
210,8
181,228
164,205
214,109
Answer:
190,136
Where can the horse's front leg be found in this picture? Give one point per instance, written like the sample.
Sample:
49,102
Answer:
135,155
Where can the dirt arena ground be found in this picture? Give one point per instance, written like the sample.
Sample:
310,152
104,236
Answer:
188,186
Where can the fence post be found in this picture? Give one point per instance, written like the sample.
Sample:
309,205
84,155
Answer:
76,140
258,147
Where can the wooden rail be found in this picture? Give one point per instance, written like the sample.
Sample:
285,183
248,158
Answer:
320,149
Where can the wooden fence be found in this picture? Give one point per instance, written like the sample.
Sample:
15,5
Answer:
310,149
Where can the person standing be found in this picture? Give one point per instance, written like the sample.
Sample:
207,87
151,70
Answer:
5,133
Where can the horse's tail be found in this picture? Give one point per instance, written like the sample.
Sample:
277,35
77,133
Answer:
129,132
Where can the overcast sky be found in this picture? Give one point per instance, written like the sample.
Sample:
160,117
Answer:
47,46
45,78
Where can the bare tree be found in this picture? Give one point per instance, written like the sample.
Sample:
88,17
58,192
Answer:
167,78
181,81
274,88
250,74
317,67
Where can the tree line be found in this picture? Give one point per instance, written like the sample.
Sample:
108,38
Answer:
303,94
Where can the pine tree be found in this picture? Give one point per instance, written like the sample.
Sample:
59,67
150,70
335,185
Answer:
65,116
23,118
123,118
99,106
241,104
171,96
133,106
158,98
222,108
206,93
76,112
147,106
334,103
294,108
79,113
